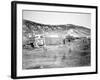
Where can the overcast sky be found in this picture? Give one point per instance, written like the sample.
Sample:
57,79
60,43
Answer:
82,19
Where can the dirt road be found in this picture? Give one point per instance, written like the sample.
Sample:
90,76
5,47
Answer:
55,56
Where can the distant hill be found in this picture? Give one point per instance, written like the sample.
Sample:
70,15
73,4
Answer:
68,29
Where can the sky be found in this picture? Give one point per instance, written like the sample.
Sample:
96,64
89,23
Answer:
56,18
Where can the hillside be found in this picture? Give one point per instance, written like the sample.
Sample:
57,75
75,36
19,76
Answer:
68,29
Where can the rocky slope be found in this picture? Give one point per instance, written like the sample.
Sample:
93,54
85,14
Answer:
68,29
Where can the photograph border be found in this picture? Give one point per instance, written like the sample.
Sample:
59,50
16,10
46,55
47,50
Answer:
14,38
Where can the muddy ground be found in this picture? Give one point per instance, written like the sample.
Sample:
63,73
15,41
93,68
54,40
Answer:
56,56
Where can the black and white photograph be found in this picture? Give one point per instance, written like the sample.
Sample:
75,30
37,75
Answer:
53,39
